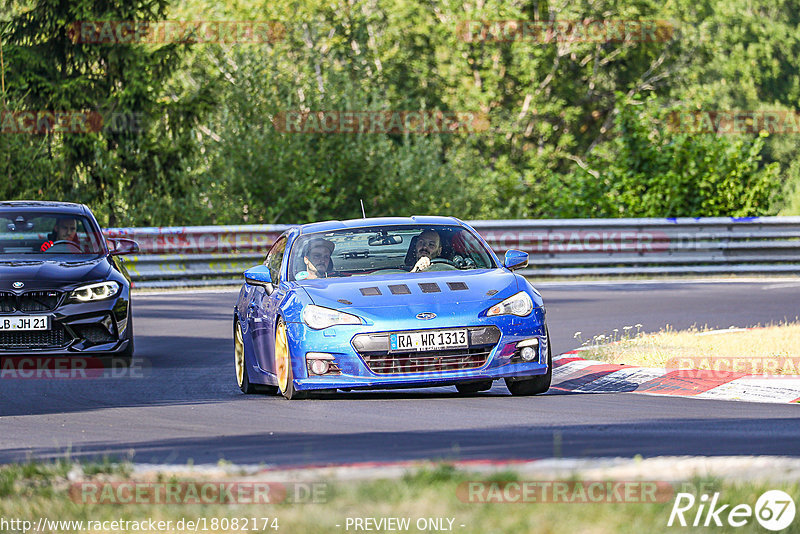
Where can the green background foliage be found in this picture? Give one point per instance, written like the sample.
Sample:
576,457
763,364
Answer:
576,129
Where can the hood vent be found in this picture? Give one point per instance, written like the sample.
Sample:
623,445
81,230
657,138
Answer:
429,287
370,291
457,286
400,289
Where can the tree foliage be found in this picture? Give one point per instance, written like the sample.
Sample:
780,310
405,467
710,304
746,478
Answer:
577,128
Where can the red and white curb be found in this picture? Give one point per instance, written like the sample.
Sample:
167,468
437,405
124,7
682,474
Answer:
572,373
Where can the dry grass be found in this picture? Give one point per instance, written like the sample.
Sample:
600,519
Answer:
767,350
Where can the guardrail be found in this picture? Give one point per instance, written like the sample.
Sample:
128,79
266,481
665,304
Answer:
217,255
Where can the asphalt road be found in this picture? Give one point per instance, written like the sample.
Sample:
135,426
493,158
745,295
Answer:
183,403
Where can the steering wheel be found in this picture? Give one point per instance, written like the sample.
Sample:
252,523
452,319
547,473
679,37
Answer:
64,242
445,261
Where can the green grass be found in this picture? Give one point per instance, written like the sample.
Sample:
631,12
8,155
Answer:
33,490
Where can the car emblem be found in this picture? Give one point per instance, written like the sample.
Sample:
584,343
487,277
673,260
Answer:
426,315
18,285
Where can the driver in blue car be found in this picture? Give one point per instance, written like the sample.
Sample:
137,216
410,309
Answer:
65,229
317,259
427,248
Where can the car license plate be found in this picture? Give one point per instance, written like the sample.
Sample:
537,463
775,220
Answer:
429,340
24,322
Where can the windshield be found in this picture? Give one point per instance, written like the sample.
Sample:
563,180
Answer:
42,235
386,250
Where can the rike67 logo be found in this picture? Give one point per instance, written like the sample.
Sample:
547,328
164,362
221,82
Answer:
774,510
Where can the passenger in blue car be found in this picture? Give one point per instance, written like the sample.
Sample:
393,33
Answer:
317,258
428,246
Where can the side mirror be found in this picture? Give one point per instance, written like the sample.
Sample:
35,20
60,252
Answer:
515,259
119,246
259,276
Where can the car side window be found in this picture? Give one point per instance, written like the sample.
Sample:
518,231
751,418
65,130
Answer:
275,258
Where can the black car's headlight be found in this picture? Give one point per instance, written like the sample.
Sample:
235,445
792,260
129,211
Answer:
518,304
98,291
318,317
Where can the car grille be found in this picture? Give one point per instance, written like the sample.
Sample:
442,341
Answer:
374,351
437,361
43,339
30,301
8,302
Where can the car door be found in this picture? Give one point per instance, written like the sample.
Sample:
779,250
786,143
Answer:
264,306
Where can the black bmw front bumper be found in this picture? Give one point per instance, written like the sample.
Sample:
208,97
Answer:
100,327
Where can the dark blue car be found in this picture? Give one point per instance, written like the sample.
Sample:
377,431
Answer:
389,303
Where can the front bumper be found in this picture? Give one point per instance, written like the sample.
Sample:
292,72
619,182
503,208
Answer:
350,358
88,328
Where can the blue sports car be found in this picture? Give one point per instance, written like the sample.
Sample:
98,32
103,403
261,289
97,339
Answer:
389,303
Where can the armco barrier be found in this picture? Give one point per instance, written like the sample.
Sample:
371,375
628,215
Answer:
217,255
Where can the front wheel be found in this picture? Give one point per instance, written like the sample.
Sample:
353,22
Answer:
534,385
283,364
239,361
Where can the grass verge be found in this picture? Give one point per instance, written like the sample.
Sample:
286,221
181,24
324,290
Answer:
433,498
773,350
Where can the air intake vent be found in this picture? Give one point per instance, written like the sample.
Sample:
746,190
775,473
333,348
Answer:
8,302
36,301
429,287
457,286
399,289
370,291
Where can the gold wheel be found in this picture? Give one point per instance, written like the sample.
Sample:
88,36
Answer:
282,362
238,354
239,362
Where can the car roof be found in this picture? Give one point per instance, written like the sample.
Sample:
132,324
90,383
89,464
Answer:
40,205
327,226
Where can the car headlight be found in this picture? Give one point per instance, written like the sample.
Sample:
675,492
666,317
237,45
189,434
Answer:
99,291
518,304
318,317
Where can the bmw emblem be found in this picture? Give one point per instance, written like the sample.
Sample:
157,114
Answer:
18,285
426,316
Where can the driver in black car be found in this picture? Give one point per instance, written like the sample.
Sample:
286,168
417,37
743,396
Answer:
65,229
427,248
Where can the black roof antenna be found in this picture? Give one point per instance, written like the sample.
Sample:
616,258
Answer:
363,215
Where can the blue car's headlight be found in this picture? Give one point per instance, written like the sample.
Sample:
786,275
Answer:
99,291
318,317
518,304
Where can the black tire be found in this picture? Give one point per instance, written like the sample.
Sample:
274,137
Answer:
474,387
536,385
240,360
